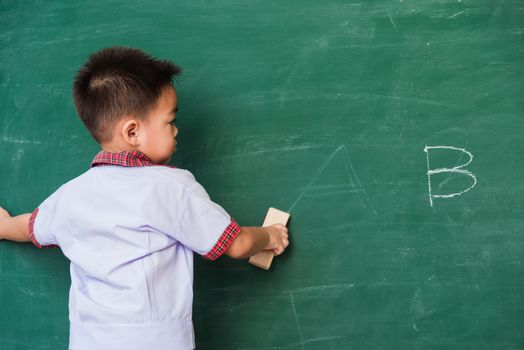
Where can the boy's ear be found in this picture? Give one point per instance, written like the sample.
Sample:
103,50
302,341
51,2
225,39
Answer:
130,131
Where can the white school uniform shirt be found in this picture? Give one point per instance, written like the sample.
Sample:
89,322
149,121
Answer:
130,228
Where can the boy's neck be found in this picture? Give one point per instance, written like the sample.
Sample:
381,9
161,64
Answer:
117,147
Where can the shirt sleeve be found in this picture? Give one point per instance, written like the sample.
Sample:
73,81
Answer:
41,223
205,227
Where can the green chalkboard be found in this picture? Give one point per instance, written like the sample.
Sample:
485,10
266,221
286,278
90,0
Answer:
331,110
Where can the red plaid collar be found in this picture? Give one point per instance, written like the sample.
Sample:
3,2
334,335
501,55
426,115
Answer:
126,158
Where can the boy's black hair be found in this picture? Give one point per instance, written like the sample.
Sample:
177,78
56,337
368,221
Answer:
118,81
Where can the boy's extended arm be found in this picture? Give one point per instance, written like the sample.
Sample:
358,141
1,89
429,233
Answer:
14,228
251,240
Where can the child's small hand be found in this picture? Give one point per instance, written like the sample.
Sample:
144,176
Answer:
278,238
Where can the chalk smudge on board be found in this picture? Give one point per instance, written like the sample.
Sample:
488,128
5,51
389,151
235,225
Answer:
316,176
324,165
22,141
299,328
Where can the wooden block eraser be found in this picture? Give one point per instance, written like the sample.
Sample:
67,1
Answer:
264,258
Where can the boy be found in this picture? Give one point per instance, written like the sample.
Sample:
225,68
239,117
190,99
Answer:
130,224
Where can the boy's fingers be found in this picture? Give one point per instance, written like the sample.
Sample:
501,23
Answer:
281,227
279,250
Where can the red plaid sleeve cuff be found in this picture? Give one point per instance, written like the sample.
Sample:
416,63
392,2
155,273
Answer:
32,231
225,240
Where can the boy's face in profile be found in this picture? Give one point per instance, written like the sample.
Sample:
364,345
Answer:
159,134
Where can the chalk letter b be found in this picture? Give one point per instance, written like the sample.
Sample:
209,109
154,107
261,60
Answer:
458,170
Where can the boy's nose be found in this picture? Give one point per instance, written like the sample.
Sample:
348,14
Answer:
175,133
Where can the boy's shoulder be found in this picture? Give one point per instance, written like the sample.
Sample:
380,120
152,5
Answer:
172,174
160,175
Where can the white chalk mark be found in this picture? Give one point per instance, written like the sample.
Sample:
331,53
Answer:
444,183
402,98
33,293
324,165
449,219
323,288
326,68
457,169
321,339
316,176
305,342
335,192
401,132
264,151
392,22
299,328
456,14
346,153
12,140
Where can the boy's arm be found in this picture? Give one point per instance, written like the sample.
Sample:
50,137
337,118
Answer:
14,228
251,240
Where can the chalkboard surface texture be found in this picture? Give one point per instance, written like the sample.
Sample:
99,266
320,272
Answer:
392,131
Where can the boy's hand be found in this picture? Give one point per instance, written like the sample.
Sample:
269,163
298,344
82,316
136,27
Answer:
278,238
